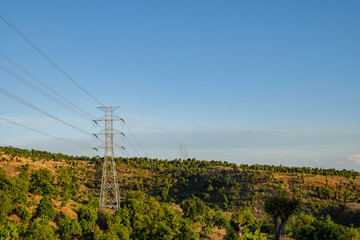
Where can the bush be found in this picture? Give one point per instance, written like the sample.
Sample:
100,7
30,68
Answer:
16,188
68,228
24,214
6,205
41,230
42,183
68,181
308,227
87,218
193,208
9,230
45,210
243,221
221,221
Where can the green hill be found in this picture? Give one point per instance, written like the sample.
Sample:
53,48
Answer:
54,196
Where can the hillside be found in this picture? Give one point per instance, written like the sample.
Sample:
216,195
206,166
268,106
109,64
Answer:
156,195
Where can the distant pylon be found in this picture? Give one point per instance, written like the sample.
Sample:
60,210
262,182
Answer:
109,193
183,151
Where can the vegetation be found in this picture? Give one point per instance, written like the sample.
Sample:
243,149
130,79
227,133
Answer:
54,196
281,208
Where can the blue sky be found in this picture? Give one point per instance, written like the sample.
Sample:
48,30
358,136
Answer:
269,82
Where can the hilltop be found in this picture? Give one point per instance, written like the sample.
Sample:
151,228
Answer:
71,185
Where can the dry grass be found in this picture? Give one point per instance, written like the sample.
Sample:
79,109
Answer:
217,233
12,166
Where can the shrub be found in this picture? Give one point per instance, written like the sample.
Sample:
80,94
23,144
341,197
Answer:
45,210
24,214
193,208
68,228
41,230
87,218
42,183
6,205
243,221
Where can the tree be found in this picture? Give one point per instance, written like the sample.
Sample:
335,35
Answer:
87,218
281,208
9,230
45,209
24,214
193,208
6,205
308,227
42,182
220,220
68,227
243,221
16,188
41,230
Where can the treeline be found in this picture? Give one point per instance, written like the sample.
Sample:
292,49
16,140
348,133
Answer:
175,199
140,216
160,165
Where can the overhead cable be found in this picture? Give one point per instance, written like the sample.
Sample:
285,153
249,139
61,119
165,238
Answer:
132,146
39,50
35,130
32,76
18,99
41,91
138,143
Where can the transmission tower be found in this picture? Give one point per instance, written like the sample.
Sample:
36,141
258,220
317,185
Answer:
183,151
109,193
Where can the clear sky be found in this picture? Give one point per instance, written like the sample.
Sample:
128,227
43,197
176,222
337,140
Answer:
267,82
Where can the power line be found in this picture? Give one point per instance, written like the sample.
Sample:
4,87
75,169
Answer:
133,147
126,152
42,92
38,49
31,85
35,130
16,98
138,143
7,58
41,52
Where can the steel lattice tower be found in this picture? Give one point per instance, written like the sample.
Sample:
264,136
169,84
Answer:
109,193
183,151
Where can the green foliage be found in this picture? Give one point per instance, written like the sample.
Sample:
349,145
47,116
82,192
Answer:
221,221
186,232
193,208
68,228
45,210
243,221
6,205
146,218
216,184
40,230
16,188
2,174
231,234
24,214
308,227
68,181
87,218
42,182
281,208
9,230
255,236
